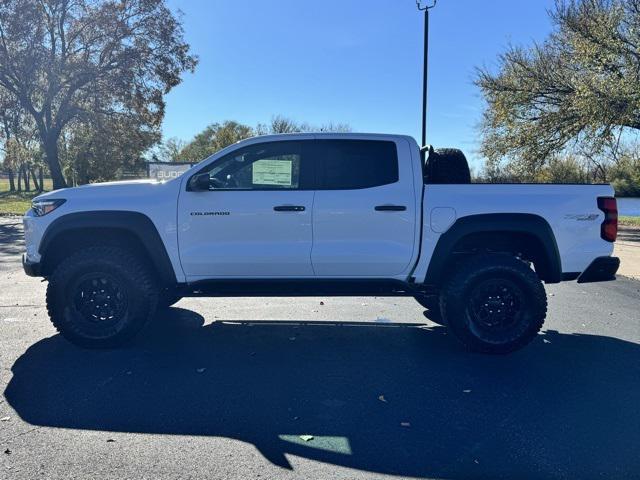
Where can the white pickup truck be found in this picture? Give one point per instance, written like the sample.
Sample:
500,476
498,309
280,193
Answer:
319,214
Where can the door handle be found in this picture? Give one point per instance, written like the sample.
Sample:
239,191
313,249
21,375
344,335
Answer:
289,208
391,208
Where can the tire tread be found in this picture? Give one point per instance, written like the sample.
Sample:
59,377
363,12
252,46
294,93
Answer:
457,283
120,258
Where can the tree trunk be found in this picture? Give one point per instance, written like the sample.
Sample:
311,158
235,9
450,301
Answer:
34,178
12,182
27,183
20,175
51,156
41,177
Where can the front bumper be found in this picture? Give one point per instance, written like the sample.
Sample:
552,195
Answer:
602,269
30,268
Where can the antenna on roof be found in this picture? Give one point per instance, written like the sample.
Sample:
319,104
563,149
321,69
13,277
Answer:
425,8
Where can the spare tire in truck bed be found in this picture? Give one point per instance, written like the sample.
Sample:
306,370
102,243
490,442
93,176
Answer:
447,165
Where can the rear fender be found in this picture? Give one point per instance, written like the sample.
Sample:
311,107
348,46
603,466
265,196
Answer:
549,268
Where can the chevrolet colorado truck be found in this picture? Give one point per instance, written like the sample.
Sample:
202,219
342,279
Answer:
319,214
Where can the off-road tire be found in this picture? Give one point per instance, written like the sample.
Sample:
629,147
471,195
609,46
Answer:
77,281
479,298
448,166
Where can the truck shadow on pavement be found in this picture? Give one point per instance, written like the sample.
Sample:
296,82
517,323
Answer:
11,237
385,398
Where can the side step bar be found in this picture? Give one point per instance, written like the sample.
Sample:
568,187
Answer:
299,288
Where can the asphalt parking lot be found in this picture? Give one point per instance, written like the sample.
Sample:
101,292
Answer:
236,388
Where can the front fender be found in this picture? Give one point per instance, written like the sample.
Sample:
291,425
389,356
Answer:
133,223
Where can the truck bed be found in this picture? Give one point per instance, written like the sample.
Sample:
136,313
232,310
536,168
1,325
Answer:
570,210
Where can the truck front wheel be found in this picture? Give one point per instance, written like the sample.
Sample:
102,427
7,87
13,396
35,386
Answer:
101,297
494,304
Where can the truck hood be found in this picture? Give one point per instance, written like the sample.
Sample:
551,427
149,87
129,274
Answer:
120,189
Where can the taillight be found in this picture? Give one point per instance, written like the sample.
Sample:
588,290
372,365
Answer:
609,228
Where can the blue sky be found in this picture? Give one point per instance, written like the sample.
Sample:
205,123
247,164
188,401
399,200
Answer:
349,61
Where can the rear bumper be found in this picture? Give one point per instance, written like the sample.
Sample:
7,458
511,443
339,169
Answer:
30,268
602,269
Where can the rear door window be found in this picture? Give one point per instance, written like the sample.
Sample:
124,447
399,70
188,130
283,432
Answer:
356,164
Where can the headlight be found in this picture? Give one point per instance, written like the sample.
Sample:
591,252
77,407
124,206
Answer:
42,207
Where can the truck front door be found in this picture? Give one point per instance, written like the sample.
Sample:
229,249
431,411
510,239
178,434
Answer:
255,219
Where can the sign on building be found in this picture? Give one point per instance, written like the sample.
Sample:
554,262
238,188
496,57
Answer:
166,170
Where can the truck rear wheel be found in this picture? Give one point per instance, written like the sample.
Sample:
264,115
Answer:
494,304
101,297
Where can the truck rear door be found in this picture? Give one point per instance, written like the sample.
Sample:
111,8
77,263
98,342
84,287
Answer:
364,213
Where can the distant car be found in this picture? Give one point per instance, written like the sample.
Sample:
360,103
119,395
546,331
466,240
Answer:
319,214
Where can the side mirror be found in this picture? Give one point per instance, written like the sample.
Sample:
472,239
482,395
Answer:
199,183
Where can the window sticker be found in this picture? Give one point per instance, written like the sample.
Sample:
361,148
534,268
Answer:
272,172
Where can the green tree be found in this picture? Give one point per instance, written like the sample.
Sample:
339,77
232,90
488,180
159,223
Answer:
220,135
18,142
213,138
625,175
580,89
66,60
105,148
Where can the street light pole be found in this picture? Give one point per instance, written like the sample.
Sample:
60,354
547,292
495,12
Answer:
425,78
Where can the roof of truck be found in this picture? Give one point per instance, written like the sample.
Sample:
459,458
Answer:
309,135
